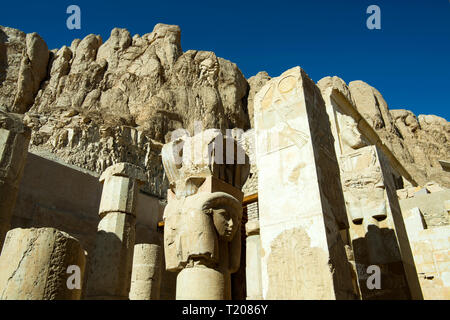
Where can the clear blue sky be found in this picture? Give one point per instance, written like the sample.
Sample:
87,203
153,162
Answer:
408,60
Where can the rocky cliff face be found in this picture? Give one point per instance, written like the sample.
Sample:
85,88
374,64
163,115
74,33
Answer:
418,142
23,66
255,83
94,104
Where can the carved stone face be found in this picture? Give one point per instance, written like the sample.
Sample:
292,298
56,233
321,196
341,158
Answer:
225,223
351,137
194,225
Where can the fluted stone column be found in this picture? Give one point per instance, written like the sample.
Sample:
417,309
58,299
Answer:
111,265
41,264
14,140
204,213
146,275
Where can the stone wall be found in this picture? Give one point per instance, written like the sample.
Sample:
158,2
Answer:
54,194
432,206
431,255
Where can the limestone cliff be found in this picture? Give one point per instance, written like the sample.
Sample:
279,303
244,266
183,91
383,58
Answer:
94,104
417,142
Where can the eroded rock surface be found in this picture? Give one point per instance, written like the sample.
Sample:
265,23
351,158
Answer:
116,101
418,142
255,83
23,66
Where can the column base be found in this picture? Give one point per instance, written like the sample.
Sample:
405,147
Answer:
200,284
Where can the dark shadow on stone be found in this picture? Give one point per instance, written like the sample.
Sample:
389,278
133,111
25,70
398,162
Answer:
238,279
107,255
3,57
394,285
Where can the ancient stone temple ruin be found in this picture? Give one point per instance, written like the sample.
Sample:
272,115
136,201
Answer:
130,169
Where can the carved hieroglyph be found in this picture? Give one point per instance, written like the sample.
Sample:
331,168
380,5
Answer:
111,265
14,140
376,225
41,264
301,204
204,212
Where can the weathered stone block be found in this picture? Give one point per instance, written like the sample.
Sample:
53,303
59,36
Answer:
212,288
14,140
253,267
203,216
111,264
301,204
34,265
119,195
146,275
121,186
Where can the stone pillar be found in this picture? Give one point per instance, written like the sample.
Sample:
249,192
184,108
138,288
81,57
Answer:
253,254
146,275
367,178
203,214
14,140
111,265
301,204
377,229
41,264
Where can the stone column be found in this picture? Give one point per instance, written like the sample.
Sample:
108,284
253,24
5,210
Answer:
377,229
146,275
253,254
301,204
203,214
41,264
14,140
111,265
367,178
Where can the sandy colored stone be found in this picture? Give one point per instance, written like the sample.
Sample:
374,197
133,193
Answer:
253,267
110,269
111,265
255,83
23,66
200,284
120,188
431,256
189,161
95,103
14,140
432,206
34,265
419,142
300,195
204,213
377,230
146,275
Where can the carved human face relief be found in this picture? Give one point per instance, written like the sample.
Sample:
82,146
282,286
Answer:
350,135
226,214
225,223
